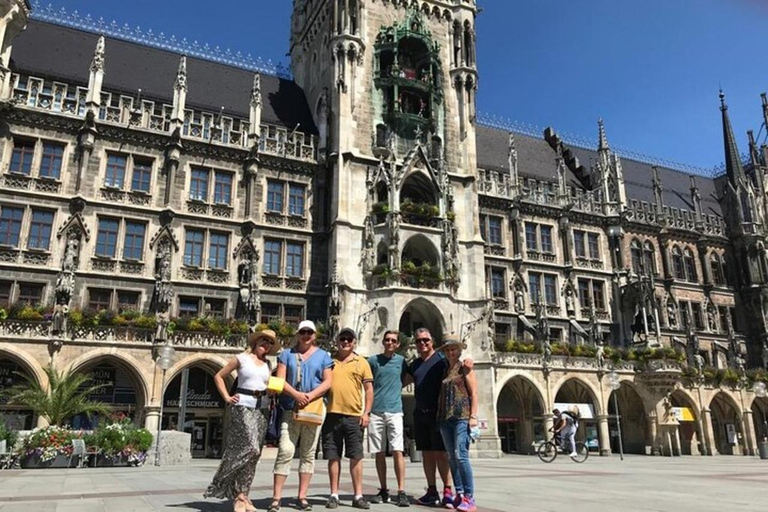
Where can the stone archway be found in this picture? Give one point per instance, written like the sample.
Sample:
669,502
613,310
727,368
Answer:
204,407
123,390
521,415
574,391
634,422
422,313
13,370
689,434
726,425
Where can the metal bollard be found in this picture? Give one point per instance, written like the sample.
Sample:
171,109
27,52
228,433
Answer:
763,449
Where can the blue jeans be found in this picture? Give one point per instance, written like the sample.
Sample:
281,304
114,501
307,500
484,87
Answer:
456,440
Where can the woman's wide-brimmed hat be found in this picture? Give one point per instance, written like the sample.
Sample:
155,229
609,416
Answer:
267,334
451,341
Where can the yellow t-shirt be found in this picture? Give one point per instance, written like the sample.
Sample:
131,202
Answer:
346,394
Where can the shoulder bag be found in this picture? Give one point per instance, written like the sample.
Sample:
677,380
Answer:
312,413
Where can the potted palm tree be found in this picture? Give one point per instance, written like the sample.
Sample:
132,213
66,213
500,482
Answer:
67,395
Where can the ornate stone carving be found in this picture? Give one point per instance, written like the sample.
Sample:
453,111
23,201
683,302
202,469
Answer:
393,235
248,281
163,294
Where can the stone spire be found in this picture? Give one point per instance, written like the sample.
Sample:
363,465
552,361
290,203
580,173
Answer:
658,191
255,110
733,165
179,94
96,78
603,143
513,168
696,198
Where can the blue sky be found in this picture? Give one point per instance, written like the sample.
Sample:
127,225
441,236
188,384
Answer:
651,69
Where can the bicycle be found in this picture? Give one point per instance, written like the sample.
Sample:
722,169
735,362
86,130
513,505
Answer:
548,451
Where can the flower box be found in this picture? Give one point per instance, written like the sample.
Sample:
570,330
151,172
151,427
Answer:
34,461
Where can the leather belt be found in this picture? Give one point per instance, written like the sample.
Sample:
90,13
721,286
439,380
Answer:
251,392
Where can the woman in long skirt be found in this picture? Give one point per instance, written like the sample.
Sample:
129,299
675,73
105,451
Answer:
247,423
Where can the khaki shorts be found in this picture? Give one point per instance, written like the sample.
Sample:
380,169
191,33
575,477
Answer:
385,428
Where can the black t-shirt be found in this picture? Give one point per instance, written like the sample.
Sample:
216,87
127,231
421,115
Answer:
428,378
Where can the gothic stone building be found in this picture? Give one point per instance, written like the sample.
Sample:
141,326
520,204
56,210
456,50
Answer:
156,193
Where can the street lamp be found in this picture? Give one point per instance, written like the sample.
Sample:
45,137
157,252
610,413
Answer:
165,355
614,383
760,390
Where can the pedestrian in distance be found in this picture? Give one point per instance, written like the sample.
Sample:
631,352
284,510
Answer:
386,427
307,371
248,419
457,416
348,416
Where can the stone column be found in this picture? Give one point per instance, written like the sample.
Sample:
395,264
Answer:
152,418
604,435
708,432
548,424
750,437
653,434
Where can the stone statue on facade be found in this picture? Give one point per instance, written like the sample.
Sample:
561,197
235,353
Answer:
60,318
698,362
519,299
369,251
570,306
594,329
765,355
163,286
671,313
393,234
161,330
249,287
600,356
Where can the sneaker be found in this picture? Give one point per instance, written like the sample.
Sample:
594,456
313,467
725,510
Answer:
431,499
402,499
360,503
573,454
457,500
467,504
448,497
333,502
382,497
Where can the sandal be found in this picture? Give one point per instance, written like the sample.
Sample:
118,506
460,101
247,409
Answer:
274,506
248,505
303,504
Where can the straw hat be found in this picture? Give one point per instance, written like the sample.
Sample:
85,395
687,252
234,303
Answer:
266,334
450,341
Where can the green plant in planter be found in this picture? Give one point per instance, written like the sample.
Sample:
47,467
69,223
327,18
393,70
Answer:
408,267
145,322
382,207
25,312
9,436
3,314
49,442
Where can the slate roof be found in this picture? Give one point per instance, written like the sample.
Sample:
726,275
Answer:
537,160
54,51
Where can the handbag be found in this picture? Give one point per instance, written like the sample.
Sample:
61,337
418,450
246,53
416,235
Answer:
313,412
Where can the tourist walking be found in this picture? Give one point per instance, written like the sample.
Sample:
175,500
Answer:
247,420
386,427
427,372
457,416
347,417
307,373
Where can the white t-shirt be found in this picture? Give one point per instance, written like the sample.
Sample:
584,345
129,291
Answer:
251,376
569,421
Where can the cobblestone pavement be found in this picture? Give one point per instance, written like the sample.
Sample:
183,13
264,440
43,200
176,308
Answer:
721,484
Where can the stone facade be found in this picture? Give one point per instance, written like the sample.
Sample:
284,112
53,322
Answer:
365,193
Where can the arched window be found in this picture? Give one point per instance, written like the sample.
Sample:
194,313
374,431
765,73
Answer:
649,258
636,251
690,266
716,265
677,263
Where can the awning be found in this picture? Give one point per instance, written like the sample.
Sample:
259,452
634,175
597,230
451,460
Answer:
586,411
683,414
579,329
527,323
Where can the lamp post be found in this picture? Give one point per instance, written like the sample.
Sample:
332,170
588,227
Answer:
761,392
614,383
165,355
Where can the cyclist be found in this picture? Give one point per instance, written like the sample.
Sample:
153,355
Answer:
565,430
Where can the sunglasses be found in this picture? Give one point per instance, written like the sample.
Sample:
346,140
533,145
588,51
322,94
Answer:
269,343
306,332
390,340
346,339
423,340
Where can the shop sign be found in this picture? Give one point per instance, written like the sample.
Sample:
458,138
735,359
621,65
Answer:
196,400
9,377
103,376
683,414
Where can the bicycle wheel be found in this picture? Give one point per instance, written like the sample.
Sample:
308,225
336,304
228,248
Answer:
547,452
582,453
